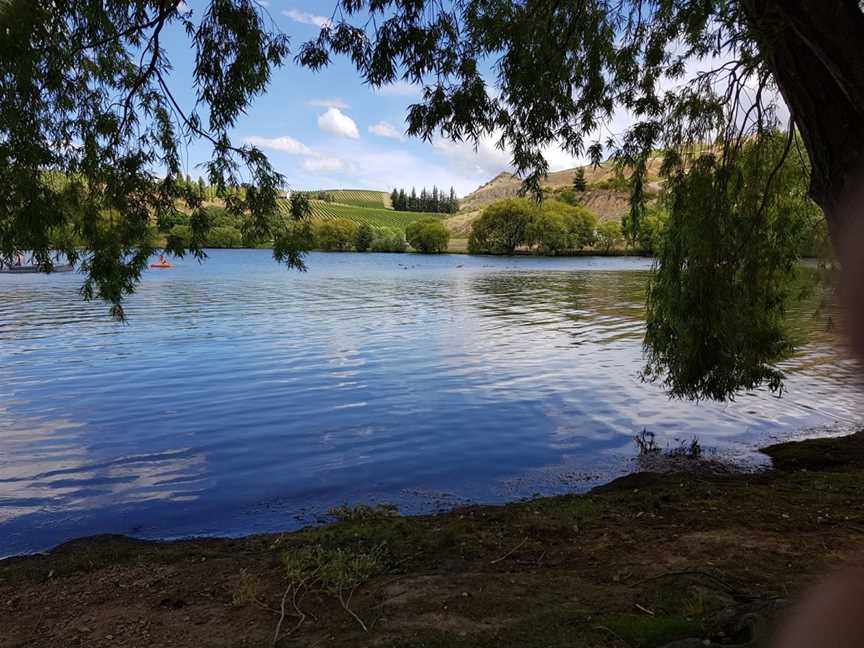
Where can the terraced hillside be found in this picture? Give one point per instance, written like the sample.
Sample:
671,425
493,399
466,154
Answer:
376,217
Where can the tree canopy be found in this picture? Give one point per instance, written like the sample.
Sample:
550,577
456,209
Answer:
90,133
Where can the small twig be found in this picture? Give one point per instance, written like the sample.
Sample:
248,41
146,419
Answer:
509,553
610,631
348,609
644,609
281,614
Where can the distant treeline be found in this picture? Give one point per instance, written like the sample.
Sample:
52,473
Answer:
427,201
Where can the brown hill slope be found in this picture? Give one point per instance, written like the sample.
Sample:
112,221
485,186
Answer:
603,202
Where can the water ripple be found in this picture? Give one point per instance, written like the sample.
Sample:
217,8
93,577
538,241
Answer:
242,397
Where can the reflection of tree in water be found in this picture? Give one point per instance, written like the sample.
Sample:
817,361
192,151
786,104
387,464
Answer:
814,323
607,303
603,306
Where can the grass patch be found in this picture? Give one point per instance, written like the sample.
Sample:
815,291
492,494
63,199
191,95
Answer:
648,631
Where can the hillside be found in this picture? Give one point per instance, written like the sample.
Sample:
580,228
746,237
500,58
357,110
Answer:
356,197
374,216
605,202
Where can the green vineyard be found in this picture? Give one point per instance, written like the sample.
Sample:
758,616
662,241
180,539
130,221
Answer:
376,217
355,197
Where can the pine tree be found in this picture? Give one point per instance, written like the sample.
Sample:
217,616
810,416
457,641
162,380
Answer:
394,199
412,200
579,183
403,200
436,200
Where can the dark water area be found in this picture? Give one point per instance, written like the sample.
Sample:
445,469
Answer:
242,398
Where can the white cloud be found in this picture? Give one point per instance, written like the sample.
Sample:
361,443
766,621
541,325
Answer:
482,164
386,129
285,144
306,18
334,102
398,89
316,165
338,123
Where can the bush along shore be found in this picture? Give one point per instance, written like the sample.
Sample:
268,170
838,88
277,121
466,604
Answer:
650,560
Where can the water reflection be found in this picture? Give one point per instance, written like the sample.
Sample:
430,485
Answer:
243,398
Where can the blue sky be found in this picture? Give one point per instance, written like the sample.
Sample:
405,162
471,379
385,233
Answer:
328,129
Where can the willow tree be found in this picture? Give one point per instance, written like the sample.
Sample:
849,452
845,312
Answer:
710,82
84,97
91,135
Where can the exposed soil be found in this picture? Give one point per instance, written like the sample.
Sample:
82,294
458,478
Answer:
646,561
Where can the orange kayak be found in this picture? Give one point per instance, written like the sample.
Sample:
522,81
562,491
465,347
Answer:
160,265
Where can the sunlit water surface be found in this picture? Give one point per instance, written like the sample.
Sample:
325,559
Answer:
241,397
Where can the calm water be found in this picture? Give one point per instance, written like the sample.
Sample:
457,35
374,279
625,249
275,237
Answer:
241,397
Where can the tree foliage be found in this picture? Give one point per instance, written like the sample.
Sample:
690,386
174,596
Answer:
85,95
551,227
562,70
337,235
388,239
579,182
428,236
502,226
608,236
717,300
426,201
557,228
364,237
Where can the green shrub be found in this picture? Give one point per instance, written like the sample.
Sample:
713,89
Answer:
559,227
388,239
547,230
501,228
608,236
224,237
428,236
337,235
181,235
364,237
221,217
568,196
616,182
166,221
649,230
363,512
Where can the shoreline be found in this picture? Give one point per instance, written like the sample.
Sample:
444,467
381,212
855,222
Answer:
645,560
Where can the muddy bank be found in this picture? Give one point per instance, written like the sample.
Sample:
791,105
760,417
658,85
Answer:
646,561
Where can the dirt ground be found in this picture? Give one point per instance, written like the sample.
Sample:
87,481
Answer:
646,561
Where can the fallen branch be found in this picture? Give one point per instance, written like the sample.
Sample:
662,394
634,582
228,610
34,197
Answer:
509,553
644,609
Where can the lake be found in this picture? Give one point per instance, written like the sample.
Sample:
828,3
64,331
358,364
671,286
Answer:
241,397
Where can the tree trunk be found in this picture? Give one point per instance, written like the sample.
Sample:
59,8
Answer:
815,50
